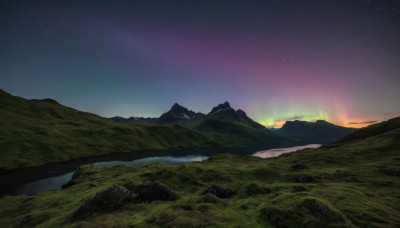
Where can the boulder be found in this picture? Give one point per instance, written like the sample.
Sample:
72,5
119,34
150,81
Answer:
110,199
219,191
153,191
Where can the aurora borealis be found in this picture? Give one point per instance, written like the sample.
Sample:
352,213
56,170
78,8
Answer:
278,60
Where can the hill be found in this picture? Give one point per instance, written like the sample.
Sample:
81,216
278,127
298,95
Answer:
351,184
35,132
320,132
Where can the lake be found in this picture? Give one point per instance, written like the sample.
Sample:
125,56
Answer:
33,180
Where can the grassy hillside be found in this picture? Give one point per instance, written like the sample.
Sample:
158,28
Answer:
35,132
354,184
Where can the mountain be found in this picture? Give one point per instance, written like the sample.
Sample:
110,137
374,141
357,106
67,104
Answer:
178,115
320,132
351,183
36,132
229,125
224,124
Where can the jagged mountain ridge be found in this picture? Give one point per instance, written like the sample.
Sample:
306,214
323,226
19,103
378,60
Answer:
178,115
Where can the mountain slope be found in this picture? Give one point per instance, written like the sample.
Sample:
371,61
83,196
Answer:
229,125
320,131
134,120
375,129
351,184
35,132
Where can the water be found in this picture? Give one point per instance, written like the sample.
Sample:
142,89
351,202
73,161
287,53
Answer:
56,182
47,184
276,152
31,181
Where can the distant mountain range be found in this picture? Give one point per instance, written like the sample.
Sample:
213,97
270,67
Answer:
237,126
320,132
222,123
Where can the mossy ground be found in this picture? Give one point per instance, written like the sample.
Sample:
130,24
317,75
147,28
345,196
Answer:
350,188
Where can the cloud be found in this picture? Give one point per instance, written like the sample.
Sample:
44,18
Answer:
391,113
366,122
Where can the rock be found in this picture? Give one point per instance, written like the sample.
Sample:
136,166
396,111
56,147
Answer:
299,166
304,178
317,208
110,199
219,191
152,191
310,212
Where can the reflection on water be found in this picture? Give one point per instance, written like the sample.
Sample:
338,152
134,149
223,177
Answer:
276,152
144,161
56,182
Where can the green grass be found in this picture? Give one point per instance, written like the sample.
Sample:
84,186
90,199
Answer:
36,132
354,185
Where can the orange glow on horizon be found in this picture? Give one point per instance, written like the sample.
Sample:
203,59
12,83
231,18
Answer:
353,123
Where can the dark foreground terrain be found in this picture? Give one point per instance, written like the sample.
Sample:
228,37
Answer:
352,183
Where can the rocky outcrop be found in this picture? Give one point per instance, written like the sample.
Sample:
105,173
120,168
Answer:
153,191
110,199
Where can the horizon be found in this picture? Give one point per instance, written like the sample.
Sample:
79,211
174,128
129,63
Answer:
207,112
276,60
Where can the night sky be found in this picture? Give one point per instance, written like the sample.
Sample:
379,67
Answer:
277,60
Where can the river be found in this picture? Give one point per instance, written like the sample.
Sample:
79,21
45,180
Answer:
30,181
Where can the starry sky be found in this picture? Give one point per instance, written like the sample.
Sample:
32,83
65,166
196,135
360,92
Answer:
337,60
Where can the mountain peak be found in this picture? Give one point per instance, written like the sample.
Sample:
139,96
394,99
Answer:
226,104
219,107
176,106
177,115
